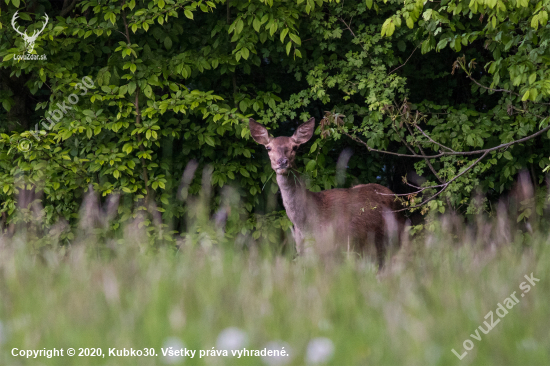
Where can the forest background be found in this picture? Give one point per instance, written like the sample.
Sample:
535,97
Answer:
159,84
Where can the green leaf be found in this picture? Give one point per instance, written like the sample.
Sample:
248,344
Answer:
313,148
295,39
131,87
239,27
311,165
508,155
387,28
210,141
256,24
525,96
533,93
442,43
243,105
288,46
148,91
401,46
244,173
283,35
188,14
167,43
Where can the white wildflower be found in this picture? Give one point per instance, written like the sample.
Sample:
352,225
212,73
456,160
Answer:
176,345
284,356
319,350
232,339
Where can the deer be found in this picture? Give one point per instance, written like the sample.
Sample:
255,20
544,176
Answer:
362,218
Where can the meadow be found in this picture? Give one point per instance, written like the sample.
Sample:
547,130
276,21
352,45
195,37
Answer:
440,101
211,293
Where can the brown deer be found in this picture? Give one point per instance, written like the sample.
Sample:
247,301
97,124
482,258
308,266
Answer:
360,217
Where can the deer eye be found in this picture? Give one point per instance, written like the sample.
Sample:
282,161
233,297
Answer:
294,148
268,148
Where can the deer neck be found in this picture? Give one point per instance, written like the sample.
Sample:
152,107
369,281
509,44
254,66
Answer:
295,197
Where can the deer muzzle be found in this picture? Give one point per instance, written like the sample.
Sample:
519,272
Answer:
282,167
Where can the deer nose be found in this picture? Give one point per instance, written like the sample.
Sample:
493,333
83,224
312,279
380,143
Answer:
282,162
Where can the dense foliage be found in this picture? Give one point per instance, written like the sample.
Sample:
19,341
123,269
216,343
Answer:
141,88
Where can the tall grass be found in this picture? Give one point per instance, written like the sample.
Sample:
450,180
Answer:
119,292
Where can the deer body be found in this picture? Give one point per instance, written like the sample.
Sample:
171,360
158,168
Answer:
358,218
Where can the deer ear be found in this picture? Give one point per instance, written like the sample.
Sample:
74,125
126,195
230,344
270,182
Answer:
304,132
259,133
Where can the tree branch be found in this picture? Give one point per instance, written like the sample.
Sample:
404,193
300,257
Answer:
397,68
138,114
67,9
348,27
444,186
450,153
429,138
441,180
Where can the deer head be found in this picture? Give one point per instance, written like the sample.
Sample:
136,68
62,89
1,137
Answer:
29,40
282,150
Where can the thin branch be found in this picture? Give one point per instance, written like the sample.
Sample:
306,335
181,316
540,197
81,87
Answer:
491,89
138,114
404,194
441,180
403,140
348,27
500,90
234,76
445,186
411,185
397,68
451,153
429,138
68,9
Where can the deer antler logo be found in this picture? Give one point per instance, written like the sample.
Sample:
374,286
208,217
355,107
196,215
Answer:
29,40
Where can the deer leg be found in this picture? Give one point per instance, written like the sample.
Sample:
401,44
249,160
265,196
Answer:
379,242
299,239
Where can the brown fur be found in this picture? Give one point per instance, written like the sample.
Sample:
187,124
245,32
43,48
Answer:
360,217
